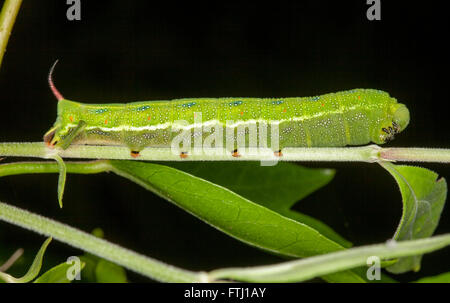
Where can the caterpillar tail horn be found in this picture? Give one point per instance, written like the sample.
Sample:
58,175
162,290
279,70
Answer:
52,85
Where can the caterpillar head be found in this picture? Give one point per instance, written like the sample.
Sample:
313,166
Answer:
399,120
401,116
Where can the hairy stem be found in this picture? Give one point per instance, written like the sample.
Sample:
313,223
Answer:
414,154
305,269
369,153
81,167
141,264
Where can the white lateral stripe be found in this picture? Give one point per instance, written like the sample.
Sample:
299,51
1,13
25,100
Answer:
206,123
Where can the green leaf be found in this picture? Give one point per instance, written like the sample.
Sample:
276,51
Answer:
61,178
231,213
276,187
101,270
442,278
58,274
90,262
423,200
306,269
34,268
107,272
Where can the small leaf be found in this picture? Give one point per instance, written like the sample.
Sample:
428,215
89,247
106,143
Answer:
61,178
423,200
34,268
107,272
90,262
57,274
442,278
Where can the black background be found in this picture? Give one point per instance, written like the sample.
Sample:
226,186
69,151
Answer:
130,51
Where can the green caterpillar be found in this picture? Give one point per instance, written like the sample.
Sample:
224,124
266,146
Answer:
353,117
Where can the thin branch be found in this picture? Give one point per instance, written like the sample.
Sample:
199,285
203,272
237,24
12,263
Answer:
308,268
16,255
369,153
414,154
7,18
79,167
139,263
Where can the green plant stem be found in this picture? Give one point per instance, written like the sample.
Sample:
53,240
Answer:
141,264
291,271
416,154
16,255
81,167
7,18
370,153
305,269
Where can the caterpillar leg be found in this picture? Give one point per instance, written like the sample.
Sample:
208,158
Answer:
278,153
183,155
235,153
134,154
48,137
52,139
75,132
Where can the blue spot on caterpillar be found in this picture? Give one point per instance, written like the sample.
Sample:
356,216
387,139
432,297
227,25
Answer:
142,108
101,110
236,103
188,105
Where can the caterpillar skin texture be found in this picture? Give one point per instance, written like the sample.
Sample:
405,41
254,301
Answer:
353,117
